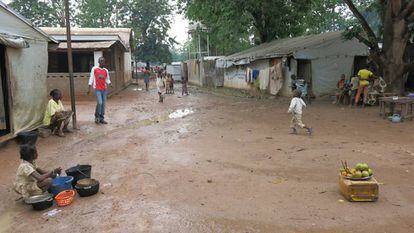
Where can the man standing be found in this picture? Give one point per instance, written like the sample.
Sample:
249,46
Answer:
99,79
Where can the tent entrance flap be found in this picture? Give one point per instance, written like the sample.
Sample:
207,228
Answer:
4,107
305,71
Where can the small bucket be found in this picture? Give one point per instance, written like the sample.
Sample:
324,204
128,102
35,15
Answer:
79,172
29,137
61,183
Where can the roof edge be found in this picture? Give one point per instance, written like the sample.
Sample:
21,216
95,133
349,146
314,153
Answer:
244,54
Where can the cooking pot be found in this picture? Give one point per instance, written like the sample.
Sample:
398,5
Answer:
79,172
87,187
40,202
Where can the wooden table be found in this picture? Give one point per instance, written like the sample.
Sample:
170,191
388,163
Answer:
405,103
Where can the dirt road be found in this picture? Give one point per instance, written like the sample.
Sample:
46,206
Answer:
231,166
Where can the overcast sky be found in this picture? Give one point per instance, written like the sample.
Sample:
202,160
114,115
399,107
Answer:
179,28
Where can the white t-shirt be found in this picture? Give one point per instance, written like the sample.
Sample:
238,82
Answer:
296,105
160,85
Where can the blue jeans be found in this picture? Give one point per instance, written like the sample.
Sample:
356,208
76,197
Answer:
100,104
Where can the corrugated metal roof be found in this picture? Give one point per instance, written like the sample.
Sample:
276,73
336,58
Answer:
87,38
26,21
123,33
283,47
87,45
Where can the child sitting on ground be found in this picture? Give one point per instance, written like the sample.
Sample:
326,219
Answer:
31,180
295,108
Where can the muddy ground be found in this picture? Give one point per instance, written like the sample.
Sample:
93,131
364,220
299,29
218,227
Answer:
231,166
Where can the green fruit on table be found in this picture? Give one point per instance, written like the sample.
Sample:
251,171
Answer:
370,171
353,170
365,174
358,174
359,166
364,167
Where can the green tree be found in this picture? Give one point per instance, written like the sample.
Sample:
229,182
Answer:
397,18
121,13
234,25
326,15
151,22
47,13
95,13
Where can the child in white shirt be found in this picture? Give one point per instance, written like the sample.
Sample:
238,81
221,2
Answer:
295,108
160,87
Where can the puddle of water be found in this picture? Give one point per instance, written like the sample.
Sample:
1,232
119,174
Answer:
180,113
137,89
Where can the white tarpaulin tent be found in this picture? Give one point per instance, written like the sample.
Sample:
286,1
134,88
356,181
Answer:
329,55
175,70
24,70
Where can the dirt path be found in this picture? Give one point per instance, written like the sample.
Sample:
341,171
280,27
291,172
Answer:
231,166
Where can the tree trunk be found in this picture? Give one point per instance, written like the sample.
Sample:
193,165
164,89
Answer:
393,75
395,43
396,33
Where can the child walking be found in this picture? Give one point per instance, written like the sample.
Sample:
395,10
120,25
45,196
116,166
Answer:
295,108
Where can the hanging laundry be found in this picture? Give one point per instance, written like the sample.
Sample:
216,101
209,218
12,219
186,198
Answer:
255,74
248,75
264,78
276,78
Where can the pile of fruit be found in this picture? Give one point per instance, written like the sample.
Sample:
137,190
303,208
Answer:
361,170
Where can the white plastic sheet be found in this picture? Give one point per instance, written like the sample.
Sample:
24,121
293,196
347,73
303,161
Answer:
27,71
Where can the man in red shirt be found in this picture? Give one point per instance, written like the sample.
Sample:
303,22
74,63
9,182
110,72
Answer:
99,79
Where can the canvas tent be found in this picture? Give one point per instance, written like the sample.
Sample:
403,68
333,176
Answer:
320,59
23,70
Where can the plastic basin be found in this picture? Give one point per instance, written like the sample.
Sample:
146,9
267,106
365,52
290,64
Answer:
61,183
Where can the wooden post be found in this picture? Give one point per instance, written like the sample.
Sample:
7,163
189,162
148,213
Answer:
70,65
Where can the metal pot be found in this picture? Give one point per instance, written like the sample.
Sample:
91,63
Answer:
87,187
40,202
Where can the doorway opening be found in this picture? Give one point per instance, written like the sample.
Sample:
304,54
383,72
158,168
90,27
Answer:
305,72
360,62
4,95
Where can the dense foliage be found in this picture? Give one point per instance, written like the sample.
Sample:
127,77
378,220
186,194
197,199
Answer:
235,25
150,20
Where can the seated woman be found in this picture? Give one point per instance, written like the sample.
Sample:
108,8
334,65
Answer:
31,180
56,118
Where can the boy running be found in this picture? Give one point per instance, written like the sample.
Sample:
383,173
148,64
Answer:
295,108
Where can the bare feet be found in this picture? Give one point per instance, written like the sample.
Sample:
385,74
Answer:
60,134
